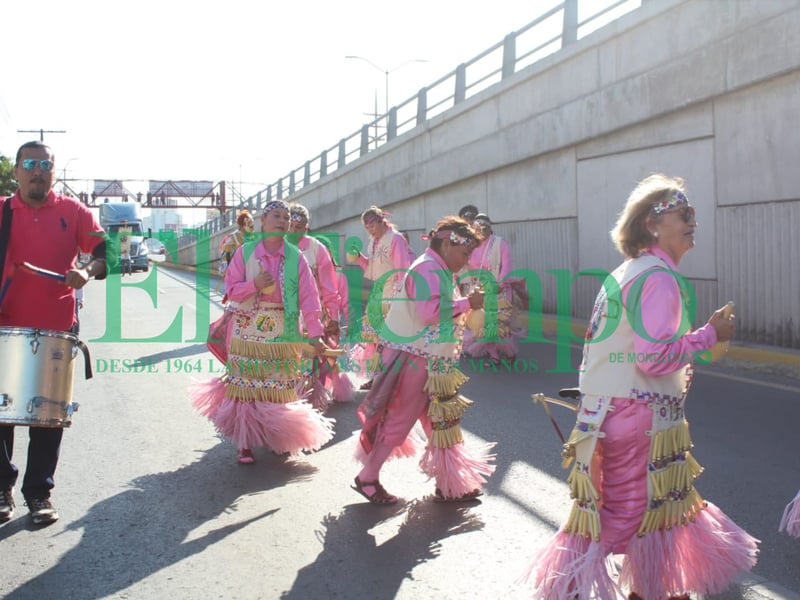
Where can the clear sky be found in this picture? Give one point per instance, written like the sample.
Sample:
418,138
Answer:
236,90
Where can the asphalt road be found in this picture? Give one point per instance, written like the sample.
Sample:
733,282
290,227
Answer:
153,504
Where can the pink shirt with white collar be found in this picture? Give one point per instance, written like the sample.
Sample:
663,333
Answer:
327,278
239,288
661,307
431,271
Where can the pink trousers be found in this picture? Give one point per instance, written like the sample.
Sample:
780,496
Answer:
623,456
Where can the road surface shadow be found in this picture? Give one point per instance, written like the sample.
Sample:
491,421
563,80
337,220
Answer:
143,530
353,565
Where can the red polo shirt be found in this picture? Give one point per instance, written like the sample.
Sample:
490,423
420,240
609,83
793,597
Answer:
48,237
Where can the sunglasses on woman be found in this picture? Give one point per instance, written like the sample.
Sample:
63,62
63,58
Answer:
686,213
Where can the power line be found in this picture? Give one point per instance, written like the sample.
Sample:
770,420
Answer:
41,132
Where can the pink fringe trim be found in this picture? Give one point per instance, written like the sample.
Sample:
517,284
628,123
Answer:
342,387
570,566
320,397
702,557
458,470
206,396
412,447
790,523
290,428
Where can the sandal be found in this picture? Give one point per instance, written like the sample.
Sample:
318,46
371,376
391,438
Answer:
245,456
379,496
438,496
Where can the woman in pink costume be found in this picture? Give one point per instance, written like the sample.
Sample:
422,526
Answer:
384,266
790,523
633,479
269,285
496,339
421,345
329,382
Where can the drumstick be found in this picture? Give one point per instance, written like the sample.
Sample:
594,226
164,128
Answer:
43,272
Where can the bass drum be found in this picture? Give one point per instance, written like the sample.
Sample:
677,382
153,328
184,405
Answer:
36,376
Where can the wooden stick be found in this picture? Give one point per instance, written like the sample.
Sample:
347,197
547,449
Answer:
542,398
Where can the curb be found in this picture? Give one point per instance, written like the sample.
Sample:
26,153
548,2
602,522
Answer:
785,361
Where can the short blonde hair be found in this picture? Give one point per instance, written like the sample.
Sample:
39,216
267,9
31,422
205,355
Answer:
630,234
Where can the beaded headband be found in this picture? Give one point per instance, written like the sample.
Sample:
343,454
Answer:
449,234
677,198
270,206
298,213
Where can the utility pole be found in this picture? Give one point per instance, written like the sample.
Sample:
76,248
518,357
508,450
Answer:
41,132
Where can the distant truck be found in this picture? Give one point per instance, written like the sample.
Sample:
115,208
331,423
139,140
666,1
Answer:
123,218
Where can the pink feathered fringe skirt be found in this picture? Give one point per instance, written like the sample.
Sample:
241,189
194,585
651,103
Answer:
702,557
458,470
790,523
293,428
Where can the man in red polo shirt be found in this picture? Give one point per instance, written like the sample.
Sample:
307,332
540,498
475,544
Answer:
47,230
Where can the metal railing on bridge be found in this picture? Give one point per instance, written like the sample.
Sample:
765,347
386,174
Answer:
563,23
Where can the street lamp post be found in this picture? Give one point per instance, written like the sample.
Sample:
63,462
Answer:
386,73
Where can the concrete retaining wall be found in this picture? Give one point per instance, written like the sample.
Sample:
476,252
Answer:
709,91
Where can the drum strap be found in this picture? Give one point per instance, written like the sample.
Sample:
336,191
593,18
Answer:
5,233
87,361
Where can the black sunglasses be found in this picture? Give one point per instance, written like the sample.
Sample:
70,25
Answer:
686,213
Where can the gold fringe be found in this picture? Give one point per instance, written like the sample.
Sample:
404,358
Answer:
251,368
675,477
584,520
265,350
674,500
671,513
695,468
580,485
448,409
249,394
444,385
670,442
447,438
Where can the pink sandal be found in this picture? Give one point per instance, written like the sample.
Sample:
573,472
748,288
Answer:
245,456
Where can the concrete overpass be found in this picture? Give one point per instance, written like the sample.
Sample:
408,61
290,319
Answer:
706,90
